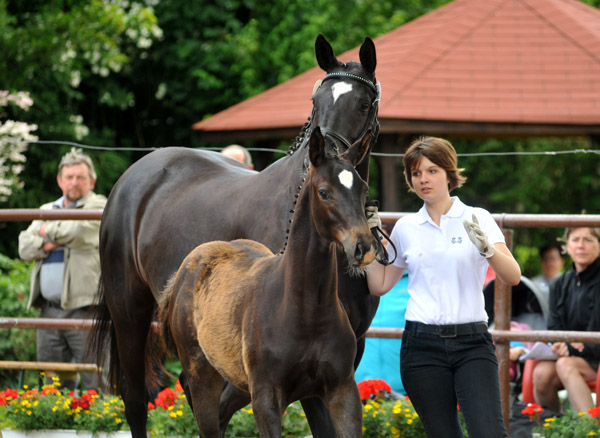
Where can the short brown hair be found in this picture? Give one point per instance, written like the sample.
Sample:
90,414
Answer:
440,152
595,231
74,157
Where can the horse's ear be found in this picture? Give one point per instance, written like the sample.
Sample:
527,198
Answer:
324,53
359,150
367,56
316,151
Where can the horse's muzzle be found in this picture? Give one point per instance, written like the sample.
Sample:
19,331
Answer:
364,253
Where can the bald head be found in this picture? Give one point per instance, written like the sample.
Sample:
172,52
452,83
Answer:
239,153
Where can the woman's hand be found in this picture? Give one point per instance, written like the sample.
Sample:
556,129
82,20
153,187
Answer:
479,238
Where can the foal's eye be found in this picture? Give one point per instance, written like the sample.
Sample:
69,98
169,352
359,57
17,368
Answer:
324,194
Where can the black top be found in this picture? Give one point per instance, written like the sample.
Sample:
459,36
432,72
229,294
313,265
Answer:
575,305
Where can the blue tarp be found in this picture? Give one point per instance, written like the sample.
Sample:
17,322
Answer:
381,359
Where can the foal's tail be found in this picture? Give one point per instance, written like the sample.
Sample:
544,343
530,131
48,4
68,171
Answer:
163,317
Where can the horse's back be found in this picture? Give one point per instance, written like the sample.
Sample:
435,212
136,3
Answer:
162,207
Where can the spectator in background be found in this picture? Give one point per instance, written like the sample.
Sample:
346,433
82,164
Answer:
239,153
64,281
574,305
552,266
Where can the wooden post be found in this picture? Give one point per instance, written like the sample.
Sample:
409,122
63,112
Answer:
502,316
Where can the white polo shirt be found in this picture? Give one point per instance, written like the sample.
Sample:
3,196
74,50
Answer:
445,270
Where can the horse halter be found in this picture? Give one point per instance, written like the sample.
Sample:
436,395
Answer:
371,124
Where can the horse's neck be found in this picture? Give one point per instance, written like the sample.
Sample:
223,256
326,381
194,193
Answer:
281,183
310,262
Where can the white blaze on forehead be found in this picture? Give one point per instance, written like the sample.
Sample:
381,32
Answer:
346,178
340,88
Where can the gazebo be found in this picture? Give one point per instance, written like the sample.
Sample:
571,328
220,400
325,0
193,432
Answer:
470,68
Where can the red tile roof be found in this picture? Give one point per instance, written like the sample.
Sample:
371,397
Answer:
492,61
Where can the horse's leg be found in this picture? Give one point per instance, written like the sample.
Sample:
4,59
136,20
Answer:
132,328
266,405
186,389
318,418
232,400
345,408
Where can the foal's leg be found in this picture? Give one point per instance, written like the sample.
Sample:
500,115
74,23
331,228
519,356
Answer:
345,408
318,417
205,386
266,404
232,400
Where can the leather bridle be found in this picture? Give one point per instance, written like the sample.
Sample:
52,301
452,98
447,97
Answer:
372,124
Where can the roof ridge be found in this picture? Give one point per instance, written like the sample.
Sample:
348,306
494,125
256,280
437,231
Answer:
488,9
576,32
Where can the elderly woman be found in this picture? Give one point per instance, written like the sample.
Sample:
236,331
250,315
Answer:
574,305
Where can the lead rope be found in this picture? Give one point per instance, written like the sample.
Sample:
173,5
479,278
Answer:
382,253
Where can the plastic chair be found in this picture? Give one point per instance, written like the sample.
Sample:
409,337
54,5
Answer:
527,384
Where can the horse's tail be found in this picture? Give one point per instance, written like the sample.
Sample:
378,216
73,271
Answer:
102,342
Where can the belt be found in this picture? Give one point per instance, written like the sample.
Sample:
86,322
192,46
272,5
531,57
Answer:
447,330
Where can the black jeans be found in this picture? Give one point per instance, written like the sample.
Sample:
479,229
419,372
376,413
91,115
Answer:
440,372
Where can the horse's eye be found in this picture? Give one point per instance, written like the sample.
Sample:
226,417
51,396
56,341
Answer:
365,107
324,194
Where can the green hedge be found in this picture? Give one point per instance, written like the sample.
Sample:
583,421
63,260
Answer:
16,344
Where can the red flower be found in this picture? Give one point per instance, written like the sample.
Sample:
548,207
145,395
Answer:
594,412
151,406
166,398
83,402
92,392
371,388
533,410
7,396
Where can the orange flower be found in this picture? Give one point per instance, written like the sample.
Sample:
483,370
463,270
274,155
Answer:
178,386
49,390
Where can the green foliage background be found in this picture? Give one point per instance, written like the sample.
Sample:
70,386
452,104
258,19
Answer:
138,74
15,344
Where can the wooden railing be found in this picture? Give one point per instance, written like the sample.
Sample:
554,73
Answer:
502,293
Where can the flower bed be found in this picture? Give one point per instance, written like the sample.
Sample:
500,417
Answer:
570,425
93,415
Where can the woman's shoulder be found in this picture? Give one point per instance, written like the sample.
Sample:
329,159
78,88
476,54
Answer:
411,218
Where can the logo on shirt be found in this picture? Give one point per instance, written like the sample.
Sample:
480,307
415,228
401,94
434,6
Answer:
458,239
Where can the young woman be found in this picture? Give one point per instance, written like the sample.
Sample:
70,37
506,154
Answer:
447,356
574,305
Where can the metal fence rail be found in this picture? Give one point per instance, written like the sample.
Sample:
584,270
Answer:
502,296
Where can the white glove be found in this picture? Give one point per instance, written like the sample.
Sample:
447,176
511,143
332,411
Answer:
479,238
373,219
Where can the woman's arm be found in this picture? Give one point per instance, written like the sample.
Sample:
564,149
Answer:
504,264
382,278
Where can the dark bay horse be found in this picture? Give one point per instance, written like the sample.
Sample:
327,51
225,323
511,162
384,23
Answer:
174,199
273,325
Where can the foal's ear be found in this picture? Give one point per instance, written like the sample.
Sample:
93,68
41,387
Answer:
316,151
367,56
324,53
359,150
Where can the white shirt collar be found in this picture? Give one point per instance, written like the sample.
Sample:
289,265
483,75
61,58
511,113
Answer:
456,210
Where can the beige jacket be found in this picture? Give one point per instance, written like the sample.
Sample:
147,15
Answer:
80,239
